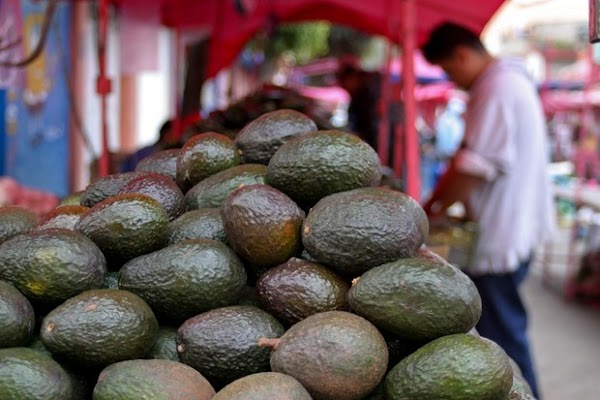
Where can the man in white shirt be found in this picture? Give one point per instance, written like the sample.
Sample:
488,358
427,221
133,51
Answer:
499,174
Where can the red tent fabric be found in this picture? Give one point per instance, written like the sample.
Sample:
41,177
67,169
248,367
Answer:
233,22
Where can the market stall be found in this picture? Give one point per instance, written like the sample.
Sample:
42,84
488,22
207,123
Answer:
231,24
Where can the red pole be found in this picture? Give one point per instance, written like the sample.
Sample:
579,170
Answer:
103,86
413,181
179,61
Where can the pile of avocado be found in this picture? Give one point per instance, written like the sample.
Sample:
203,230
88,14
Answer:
271,266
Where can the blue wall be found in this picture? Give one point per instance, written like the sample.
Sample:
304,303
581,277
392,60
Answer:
37,141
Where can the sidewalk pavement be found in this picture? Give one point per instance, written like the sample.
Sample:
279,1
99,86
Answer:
565,337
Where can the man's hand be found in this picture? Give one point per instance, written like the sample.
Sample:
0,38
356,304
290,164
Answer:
453,186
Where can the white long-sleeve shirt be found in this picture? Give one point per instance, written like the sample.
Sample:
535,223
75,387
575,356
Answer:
506,144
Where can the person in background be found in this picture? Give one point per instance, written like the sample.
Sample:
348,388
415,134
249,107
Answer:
364,88
500,175
162,143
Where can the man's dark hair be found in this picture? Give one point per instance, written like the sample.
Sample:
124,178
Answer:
445,38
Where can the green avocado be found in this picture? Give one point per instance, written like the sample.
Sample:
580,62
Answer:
261,138
161,188
152,380
73,199
262,225
186,279
165,347
357,230
211,192
263,386
453,367
223,343
52,265
205,223
163,162
15,221
334,355
417,298
64,217
204,155
103,188
100,327
314,165
125,226
298,289
27,374
17,318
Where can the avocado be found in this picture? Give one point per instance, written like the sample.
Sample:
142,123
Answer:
62,217
125,226
161,188
52,265
211,192
516,395
15,221
73,199
263,386
152,380
204,155
163,162
205,223
186,279
103,188
165,347
417,298
17,317
262,225
453,367
261,137
82,380
223,343
298,289
314,165
27,374
111,281
100,327
357,230
334,355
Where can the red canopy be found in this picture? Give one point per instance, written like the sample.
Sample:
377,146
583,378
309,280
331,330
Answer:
232,23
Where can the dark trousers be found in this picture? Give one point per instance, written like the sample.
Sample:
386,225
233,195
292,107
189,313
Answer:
504,318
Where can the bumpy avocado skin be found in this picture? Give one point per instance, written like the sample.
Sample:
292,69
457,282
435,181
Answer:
262,225
100,327
186,279
453,367
223,343
417,298
357,230
261,138
314,165
212,191
298,289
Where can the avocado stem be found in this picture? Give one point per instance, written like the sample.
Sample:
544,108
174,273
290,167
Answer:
268,342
